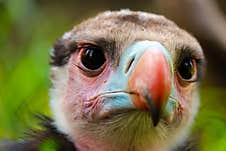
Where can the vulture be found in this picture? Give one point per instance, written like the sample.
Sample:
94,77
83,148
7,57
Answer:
121,81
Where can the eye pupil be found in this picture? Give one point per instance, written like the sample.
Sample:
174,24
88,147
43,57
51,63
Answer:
186,69
93,58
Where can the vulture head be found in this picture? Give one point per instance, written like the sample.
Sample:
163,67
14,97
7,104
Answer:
126,81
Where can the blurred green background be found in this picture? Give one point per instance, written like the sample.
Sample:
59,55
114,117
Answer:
28,29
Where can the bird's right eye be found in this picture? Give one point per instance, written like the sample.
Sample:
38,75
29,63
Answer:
92,58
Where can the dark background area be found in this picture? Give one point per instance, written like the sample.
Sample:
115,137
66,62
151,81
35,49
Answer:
28,28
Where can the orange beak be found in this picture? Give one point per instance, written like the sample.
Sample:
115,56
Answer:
150,80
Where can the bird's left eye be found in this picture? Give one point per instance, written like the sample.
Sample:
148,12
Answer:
187,70
92,58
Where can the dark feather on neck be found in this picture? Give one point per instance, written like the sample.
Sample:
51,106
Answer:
49,138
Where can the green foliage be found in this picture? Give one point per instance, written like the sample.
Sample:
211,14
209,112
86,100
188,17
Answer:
26,38
211,122
49,145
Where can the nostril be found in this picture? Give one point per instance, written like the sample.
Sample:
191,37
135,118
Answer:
129,64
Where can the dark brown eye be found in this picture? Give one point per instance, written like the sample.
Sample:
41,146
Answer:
187,69
92,58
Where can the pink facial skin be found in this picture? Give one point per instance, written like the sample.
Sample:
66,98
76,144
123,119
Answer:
82,89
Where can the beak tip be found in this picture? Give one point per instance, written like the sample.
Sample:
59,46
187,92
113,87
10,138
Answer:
154,110
155,116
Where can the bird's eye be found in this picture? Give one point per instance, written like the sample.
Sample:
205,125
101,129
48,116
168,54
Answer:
92,58
187,70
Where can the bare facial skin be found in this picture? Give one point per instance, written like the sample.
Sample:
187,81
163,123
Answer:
126,81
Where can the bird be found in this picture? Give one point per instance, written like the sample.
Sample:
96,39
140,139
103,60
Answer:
122,81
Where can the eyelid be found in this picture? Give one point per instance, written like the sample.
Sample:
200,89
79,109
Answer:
194,76
196,56
90,73
86,71
185,52
86,45
188,52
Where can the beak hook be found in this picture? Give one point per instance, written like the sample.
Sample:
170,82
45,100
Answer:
154,111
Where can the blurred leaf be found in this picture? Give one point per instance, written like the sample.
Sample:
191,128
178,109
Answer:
211,120
49,145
